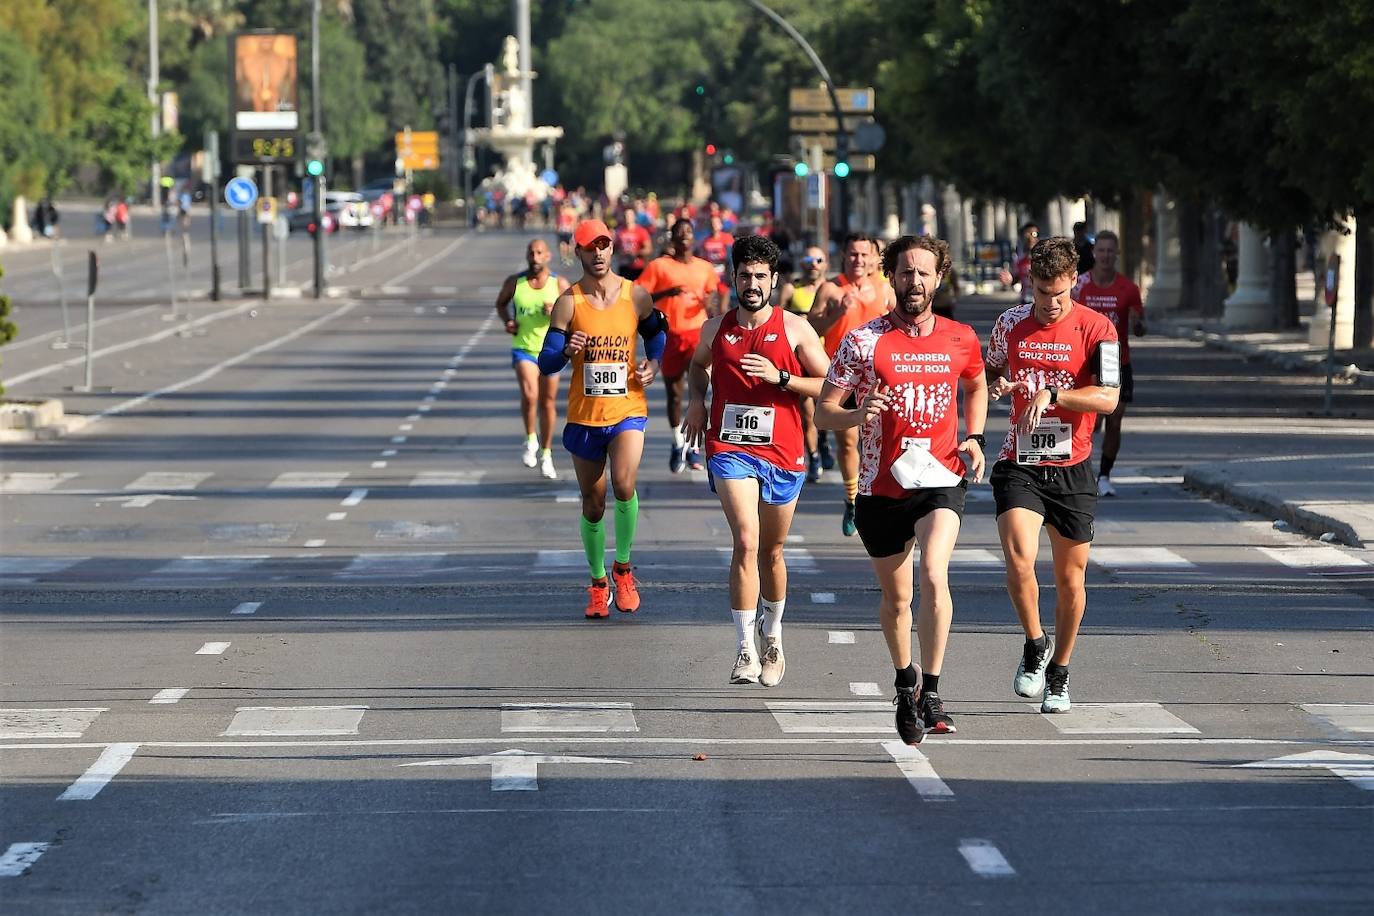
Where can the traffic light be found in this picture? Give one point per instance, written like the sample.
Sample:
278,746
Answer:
842,169
728,158
316,151
801,169
314,168
701,90
710,149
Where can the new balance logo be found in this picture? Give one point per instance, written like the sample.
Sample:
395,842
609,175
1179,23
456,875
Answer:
768,337
733,338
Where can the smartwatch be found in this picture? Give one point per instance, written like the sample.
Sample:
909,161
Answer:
977,437
783,378
1054,395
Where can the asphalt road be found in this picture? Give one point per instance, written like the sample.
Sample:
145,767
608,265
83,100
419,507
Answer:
290,629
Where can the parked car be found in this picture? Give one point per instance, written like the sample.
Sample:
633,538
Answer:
349,207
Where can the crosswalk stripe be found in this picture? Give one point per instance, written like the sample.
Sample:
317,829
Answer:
568,717
864,689
33,482
390,564
207,567
1313,557
822,597
281,721
48,723
839,637
1137,558
985,859
447,478
308,480
1119,719
170,480
19,858
1355,718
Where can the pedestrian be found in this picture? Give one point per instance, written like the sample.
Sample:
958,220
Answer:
756,361
854,298
1060,362
533,292
1116,297
593,325
903,372
1083,245
122,218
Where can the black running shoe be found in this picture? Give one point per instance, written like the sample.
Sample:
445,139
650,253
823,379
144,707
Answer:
909,727
932,711
827,457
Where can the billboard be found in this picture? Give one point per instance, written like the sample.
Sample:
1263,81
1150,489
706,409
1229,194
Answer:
266,96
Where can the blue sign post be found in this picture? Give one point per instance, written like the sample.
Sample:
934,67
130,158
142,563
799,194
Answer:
240,193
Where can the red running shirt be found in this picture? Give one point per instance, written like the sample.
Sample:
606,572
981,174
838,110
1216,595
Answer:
923,374
748,414
1062,355
1117,300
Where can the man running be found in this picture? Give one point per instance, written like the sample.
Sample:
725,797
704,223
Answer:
902,369
1020,267
756,360
715,247
1116,297
853,299
594,325
683,287
533,293
797,296
633,244
1061,363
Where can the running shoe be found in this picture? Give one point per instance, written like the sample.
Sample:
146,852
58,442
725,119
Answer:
774,664
1056,691
626,591
1030,673
1104,487
813,467
529,457
747,668
677,458
909,726
827,457
599,599
547,469
933,716
847,527
694,460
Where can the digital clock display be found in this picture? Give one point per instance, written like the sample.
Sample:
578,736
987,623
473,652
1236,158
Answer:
264,147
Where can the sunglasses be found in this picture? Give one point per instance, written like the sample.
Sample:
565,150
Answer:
600,243
812,262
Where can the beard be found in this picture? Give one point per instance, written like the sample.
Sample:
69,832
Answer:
754,306
914,307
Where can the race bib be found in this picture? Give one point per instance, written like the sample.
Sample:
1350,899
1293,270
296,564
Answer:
605,380
1051,440
742,424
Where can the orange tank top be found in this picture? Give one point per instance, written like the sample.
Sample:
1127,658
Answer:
605,388
872,304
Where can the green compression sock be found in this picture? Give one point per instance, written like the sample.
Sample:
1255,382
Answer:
626,521
594,543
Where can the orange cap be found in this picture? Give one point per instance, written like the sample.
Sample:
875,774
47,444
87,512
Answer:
588,231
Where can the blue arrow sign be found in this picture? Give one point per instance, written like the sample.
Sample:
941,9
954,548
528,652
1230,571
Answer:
549,177
240,193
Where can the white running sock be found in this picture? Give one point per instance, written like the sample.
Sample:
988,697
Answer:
531,441
679,437
744,628
772,617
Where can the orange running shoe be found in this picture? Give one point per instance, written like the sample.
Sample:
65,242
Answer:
599,599
626,592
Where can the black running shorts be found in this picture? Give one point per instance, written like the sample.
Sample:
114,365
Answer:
1066,497
885,524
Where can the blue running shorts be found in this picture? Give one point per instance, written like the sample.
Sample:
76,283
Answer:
777,487
590,442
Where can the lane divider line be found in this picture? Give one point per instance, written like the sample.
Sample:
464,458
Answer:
98,776
840,637
985,859
170,695
247,607
213,648
19,858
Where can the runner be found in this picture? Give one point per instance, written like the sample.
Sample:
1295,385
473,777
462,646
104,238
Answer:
715,247
853,299
902,369
1061,363
633,244
593,325
533,292
683,287
567,219
756,360
797,296
1019,274
1118,298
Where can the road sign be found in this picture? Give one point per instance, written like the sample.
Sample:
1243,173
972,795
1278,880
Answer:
549,177
240,193
823,123
807,141
418,150
858,162
869,137
267,210
854,99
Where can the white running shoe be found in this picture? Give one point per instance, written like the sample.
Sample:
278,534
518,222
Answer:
546,467
747,668
1104,487
530,456
773,663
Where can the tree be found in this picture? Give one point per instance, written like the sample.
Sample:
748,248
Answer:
403,59
24,102
8,331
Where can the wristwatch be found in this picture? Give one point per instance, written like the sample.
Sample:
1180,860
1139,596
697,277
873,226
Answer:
783,378
1054,395
977,437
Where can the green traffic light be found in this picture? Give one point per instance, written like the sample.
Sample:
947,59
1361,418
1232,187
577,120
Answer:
729,159
842,169
314,168
801,169
701,90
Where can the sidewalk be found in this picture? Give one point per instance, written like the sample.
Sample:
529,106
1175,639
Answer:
1326,498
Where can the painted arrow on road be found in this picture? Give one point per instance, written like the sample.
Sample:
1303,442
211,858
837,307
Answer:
1356,769
143,500
514,770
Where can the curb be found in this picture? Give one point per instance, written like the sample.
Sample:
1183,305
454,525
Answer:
1293,362
1215,484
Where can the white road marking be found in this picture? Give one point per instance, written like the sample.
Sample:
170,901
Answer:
1356,769
406,427
247,607
390,564
144,500
975,556
352,499
1355,718
918,771
424,408
315,542
213,648
412,418
170,695
447,478
33,482
796,539
1312,557
214,568
308,480
379,464
37,566
558,560
513,770
985,859
429,399
567,496
279,721
1118,719
19,858
47,723
839,637
170,480
810,717
864,689
388,453
822,597
568,717
450,372
398,440
98,776
1132,558
336,516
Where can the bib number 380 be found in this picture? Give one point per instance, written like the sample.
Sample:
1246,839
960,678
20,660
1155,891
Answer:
746,425
605,380
1051,440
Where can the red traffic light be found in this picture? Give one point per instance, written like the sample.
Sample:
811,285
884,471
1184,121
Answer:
710,149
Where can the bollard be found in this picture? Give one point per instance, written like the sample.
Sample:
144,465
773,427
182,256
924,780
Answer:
58,271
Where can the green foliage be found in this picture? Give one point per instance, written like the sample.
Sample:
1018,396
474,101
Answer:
24,103
402,56
8,331
349,99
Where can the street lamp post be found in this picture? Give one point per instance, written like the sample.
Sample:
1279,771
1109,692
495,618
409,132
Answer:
484,74
156,170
